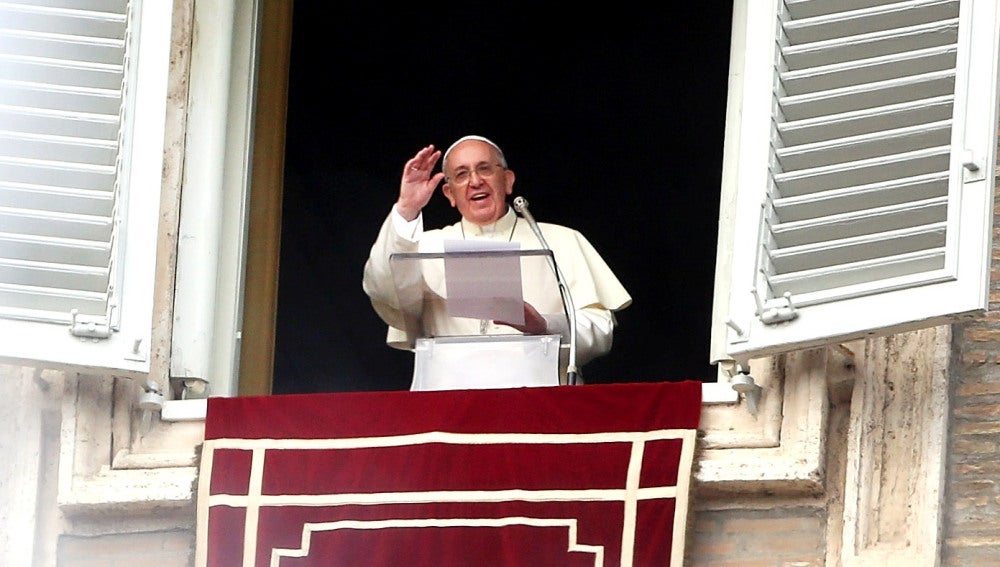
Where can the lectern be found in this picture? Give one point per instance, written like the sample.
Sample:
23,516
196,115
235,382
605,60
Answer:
450,300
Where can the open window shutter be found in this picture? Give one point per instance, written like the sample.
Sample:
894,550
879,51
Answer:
862,188
79,190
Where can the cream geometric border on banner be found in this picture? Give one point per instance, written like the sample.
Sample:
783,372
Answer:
629,495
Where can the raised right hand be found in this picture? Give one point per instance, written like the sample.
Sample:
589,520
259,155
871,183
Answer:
418,183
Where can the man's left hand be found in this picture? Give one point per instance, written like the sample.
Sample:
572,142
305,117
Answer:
534,323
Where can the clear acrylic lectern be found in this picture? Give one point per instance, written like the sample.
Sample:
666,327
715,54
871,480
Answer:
450,302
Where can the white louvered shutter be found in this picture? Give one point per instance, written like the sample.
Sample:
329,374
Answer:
82,102
862,178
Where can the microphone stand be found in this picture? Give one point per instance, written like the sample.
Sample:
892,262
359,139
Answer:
521,206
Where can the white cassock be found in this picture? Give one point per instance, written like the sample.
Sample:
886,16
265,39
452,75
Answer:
418,308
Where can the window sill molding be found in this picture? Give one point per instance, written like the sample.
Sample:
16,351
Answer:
149,474
780,450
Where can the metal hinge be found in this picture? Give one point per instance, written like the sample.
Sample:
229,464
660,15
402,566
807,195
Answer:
777,310
88,329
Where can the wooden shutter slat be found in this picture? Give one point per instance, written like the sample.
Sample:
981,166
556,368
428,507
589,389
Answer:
71,149
869,19
866,71
860,97
865,121
858,273
116,6
59,122
61,46
873,170
869,45
80,99
45,223
56,250
858,248
44,71
801,9
22,301
63,20
862,197
33,196
57,276
867,221
865,146
58,173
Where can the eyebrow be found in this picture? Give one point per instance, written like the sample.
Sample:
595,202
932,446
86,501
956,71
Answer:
477,164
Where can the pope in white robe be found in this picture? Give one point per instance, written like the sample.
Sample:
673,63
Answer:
477,183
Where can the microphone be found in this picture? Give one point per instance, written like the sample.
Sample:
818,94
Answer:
521,207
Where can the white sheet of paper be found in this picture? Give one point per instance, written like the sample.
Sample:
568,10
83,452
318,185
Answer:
484,287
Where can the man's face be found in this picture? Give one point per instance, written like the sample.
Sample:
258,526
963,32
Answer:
476,184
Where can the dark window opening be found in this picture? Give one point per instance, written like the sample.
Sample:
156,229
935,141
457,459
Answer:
614,126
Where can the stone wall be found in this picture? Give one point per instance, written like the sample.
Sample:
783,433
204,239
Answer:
972,495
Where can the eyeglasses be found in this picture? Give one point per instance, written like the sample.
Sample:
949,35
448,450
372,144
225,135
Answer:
483,170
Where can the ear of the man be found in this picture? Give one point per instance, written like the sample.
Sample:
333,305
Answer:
446,190
510,180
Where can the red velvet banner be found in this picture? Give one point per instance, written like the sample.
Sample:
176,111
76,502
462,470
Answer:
594,475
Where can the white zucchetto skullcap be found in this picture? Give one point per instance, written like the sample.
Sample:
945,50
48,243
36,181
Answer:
503,160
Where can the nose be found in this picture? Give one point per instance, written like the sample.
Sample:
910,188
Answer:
475,178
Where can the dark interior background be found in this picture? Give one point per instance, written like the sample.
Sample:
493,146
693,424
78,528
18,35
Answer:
611,118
